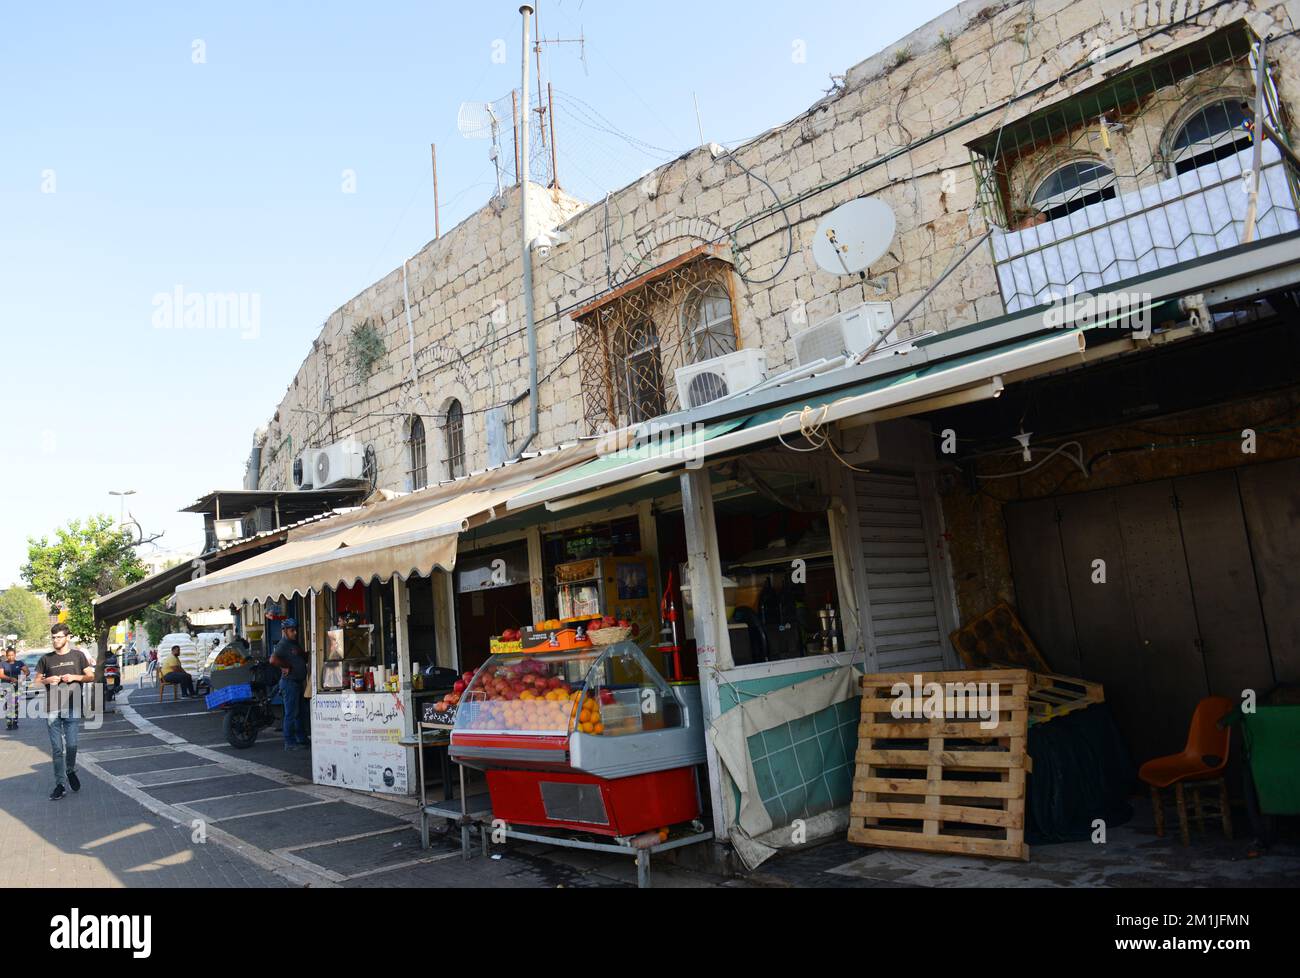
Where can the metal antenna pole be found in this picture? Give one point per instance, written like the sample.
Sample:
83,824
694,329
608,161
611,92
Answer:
437,225
525,94
555,170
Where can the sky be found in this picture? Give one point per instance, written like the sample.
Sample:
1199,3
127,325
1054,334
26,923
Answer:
280,152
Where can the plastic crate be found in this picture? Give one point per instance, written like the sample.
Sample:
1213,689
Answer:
231,694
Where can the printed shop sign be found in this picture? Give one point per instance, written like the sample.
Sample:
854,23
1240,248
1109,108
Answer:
356,742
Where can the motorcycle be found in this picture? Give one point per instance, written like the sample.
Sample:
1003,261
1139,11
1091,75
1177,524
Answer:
245,720
112,677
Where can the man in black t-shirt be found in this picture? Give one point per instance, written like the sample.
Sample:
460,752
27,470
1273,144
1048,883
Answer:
63,673
11,673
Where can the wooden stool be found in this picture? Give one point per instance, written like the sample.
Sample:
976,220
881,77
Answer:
163,684
1181,789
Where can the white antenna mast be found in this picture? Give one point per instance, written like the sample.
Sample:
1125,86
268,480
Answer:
478,120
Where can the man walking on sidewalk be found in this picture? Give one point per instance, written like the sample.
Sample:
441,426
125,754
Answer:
62,673
11,673
288,657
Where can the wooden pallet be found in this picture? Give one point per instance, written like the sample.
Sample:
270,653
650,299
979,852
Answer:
943,783
1055,696
997,640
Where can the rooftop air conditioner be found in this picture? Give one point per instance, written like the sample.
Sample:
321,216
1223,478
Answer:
708,381
304,470
848,333
339,464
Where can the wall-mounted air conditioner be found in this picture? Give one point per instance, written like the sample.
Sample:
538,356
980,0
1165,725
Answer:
705,382
304,470
339,464
848,332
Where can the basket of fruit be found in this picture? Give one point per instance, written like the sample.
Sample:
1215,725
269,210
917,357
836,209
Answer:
609,631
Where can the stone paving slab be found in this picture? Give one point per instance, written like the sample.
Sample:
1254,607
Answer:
166,761
322,823
255,804
112,742
200,772
235,784
375,852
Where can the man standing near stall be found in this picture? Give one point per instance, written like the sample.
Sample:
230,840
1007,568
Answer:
57,671
288,657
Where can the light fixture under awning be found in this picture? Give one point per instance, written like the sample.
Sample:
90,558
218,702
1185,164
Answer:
389,539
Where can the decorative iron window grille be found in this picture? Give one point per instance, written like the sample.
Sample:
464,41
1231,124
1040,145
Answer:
455,427
631,342
1146,170
418,474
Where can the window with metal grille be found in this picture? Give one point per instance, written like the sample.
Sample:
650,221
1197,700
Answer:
1073,186
1213,133
641,388
455,440
706,320
418,474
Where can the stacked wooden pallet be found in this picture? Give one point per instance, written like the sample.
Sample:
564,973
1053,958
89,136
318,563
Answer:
938,768
1055,696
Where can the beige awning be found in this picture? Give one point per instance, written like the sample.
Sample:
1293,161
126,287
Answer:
413,534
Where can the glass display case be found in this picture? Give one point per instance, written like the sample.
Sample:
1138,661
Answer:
609,692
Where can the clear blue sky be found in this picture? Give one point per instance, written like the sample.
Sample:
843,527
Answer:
227,176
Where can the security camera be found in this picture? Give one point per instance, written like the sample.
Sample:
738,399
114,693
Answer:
542,250
544,242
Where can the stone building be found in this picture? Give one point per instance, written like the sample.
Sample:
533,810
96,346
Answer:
1093,166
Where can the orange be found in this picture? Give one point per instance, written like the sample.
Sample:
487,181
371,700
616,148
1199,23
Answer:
598,728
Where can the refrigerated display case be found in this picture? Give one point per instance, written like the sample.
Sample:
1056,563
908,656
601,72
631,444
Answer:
592,739
621,587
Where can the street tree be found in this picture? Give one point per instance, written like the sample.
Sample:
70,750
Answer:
85,560
23,614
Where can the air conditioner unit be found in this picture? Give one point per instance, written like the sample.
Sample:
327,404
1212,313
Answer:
304,470
849,332
228,531
339,464
705,382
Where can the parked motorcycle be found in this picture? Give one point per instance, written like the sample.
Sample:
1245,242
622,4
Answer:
245,720
112,677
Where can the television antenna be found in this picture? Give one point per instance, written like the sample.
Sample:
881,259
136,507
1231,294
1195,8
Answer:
853,236
478,120
580,40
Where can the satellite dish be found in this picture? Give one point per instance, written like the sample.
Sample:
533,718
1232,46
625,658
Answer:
476,120
853,236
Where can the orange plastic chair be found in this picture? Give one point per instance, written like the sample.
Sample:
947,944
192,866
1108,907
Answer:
1200,765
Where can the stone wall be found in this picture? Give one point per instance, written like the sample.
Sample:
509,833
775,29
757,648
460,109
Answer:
898,129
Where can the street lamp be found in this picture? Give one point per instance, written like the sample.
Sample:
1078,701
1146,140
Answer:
121,518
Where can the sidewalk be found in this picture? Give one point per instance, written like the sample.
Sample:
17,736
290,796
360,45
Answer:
98,837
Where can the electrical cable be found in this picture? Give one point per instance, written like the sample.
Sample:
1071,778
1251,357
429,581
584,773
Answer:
1061,450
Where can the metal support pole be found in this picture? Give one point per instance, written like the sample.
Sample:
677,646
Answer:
1257,157
437,223
550,100
529,322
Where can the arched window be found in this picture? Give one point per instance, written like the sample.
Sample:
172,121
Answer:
418,474
706,322
640,374
1213,132
455,427
1072,186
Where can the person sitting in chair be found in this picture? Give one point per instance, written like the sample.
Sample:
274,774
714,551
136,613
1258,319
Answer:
173,672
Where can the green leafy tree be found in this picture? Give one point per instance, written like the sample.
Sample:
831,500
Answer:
159,622
23,614
85,560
